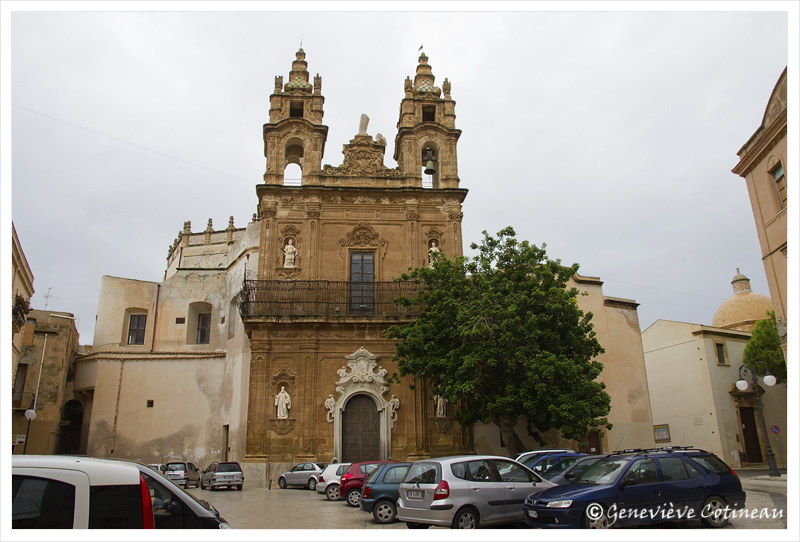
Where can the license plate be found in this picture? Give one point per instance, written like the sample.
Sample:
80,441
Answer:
533,514
415,494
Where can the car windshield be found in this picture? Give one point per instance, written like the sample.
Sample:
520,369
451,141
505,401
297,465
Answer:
605,471
342,469
229,467
176,466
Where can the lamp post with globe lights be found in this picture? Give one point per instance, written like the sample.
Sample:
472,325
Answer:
769,380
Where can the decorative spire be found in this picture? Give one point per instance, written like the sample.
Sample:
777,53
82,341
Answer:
423,81
298,77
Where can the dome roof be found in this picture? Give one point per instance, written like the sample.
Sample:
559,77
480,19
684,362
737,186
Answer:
744,308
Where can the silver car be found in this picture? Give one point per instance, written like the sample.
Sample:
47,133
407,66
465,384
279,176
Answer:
302,474
222,474
329,480
466,492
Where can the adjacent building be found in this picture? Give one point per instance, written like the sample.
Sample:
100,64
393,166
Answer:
692,371
43,385
762,163
265,344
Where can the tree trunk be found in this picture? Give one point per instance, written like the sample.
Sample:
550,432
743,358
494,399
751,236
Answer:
514,445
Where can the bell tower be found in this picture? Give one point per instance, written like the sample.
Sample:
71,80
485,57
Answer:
426,133
295,133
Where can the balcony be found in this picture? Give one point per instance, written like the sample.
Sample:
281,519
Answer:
325,300
21,308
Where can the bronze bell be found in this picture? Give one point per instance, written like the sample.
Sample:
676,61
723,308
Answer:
429,169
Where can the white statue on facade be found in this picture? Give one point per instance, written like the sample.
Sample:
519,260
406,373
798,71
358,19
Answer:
362,125
284,402
440,406
289,253
432,253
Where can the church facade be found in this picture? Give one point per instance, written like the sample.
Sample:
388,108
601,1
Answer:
265,344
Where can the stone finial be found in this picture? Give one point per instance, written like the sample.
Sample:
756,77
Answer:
186,233
278,84
408,86
317,84
208,232
446,87
229,230
255,217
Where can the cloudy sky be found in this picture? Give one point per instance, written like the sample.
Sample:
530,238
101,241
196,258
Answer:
608,135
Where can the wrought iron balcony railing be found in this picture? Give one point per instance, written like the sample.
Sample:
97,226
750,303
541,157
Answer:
325,299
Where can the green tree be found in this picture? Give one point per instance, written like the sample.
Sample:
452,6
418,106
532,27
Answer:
501,336
765,345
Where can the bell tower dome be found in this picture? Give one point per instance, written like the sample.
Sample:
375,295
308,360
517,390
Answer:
426,132
295,133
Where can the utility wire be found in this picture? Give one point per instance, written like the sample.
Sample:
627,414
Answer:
134,144
663,289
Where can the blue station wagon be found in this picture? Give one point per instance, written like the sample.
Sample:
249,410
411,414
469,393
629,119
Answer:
641,486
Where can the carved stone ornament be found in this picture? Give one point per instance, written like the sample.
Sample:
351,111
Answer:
282,426
434,234
363,235
330,404
363,157
360,369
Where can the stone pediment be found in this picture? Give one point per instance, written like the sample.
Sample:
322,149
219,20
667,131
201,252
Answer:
363,157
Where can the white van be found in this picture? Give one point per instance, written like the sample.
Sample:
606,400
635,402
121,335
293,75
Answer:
70,492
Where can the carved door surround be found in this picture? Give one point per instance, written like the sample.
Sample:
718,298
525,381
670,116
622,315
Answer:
363,375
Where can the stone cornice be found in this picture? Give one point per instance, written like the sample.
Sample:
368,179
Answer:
752,156
117,355
721,332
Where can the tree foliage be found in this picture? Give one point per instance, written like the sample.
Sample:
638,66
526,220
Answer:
502,337
765,345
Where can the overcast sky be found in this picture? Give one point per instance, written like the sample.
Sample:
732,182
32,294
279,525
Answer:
610,136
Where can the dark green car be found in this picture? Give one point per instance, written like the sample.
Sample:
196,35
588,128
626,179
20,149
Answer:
381,489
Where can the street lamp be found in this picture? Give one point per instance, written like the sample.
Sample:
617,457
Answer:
769,380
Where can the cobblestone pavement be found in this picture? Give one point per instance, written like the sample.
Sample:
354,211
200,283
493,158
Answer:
261,508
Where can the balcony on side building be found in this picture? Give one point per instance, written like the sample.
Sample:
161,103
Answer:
326,300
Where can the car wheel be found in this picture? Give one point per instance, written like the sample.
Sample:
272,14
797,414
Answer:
282,482
239,487
312,484
384,512
332,492
595,517
713,514
412,525
202,485
186,484
465,519
353,497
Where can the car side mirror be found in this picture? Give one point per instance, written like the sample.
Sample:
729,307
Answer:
626,483
570,475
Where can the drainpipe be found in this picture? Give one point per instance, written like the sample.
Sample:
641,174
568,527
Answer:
155,318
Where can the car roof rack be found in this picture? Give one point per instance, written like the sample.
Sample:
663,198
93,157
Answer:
663,449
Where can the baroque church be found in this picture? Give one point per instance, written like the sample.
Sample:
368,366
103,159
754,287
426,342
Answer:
265,344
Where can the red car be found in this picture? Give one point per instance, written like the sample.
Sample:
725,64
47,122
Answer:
353,479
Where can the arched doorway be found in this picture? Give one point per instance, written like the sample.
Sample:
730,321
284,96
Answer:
360,430
72,421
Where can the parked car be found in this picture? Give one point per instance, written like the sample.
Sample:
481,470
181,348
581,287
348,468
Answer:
466,492
174,508
638,486
525,456
222,474
541,463
302,474
328,483
353,479
182,473
565,471
380,491
68,492
156,467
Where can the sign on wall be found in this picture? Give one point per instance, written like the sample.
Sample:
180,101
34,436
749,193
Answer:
661,432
